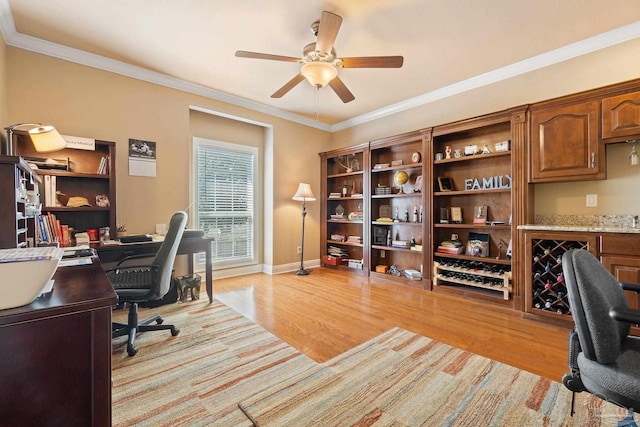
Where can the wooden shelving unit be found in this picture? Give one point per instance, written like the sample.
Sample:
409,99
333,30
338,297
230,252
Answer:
483,190
343,210
403,204
16,179
79,178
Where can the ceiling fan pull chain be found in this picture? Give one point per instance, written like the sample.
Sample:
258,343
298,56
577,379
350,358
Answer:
317,103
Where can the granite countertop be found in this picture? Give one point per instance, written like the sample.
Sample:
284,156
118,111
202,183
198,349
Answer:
584,223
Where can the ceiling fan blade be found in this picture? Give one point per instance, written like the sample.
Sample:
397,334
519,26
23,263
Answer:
288,86
257,55
341,90
327,31
373,62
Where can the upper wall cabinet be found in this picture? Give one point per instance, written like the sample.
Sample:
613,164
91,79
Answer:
621,117
565,142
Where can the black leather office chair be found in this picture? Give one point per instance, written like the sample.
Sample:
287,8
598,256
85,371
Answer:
141,283
603,358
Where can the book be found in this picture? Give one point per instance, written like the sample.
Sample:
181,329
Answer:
450,250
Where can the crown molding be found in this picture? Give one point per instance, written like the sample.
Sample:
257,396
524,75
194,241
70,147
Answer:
583,47
33,44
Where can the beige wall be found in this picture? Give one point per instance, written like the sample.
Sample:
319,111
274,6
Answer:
3,84
618,194
83,101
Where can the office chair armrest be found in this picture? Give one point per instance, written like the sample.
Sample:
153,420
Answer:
134,257
635,287
625,314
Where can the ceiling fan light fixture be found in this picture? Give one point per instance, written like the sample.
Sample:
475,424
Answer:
319,73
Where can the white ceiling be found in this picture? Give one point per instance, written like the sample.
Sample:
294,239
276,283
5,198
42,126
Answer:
448,45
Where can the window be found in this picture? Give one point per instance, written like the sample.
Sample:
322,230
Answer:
225,192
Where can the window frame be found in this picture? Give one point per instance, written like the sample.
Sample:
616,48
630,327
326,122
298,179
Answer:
204,143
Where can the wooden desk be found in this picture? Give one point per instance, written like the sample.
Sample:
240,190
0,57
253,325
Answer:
188,246
55,357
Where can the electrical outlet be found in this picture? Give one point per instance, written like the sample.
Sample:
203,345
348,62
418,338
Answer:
299,250
592,200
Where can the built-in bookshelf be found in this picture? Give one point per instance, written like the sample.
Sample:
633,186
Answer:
343,196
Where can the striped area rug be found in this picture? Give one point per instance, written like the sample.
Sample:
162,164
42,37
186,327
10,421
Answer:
198,377
224,370
403,379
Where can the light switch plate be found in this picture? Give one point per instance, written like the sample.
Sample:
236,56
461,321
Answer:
592,200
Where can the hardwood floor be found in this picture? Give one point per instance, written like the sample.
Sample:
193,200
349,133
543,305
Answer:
328,312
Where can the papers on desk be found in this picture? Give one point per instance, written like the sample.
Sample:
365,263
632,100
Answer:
75,261
77,255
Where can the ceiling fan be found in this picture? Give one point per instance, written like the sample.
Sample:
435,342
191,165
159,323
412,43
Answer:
320,63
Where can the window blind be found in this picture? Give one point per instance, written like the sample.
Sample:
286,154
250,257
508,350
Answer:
225,201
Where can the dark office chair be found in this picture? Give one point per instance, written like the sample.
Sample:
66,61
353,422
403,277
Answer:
141,283
603,358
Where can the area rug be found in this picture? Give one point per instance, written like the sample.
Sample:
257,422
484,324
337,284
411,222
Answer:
222,362
198,377
403,379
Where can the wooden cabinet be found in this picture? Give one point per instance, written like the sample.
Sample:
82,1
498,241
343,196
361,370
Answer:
476,209
77,175
621,116
55,361
565,143
545,289
343,212
397,205
17,222
620,253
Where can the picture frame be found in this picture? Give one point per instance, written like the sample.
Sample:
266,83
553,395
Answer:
444,216
478,245
396,163
456,215
379,236
445,184
417,187
480,214
384,211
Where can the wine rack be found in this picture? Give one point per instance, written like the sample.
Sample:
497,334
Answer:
548,288
477,274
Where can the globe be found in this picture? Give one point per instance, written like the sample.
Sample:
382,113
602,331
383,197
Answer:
401,178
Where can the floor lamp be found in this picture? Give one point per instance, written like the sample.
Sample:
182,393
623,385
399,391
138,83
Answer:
303,195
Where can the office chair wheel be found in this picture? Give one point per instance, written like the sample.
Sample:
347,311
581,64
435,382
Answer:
174,331
159,320
132,350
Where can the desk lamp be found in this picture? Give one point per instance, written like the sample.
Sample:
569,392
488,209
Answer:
302,195
45,138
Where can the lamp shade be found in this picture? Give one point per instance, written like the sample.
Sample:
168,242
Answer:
319,73
304,193
46,139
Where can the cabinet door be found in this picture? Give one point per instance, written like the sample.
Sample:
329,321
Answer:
621,116
565,145
625,269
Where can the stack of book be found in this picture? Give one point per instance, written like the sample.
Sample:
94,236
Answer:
49,230
103,166
404,244
354,239
453,247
